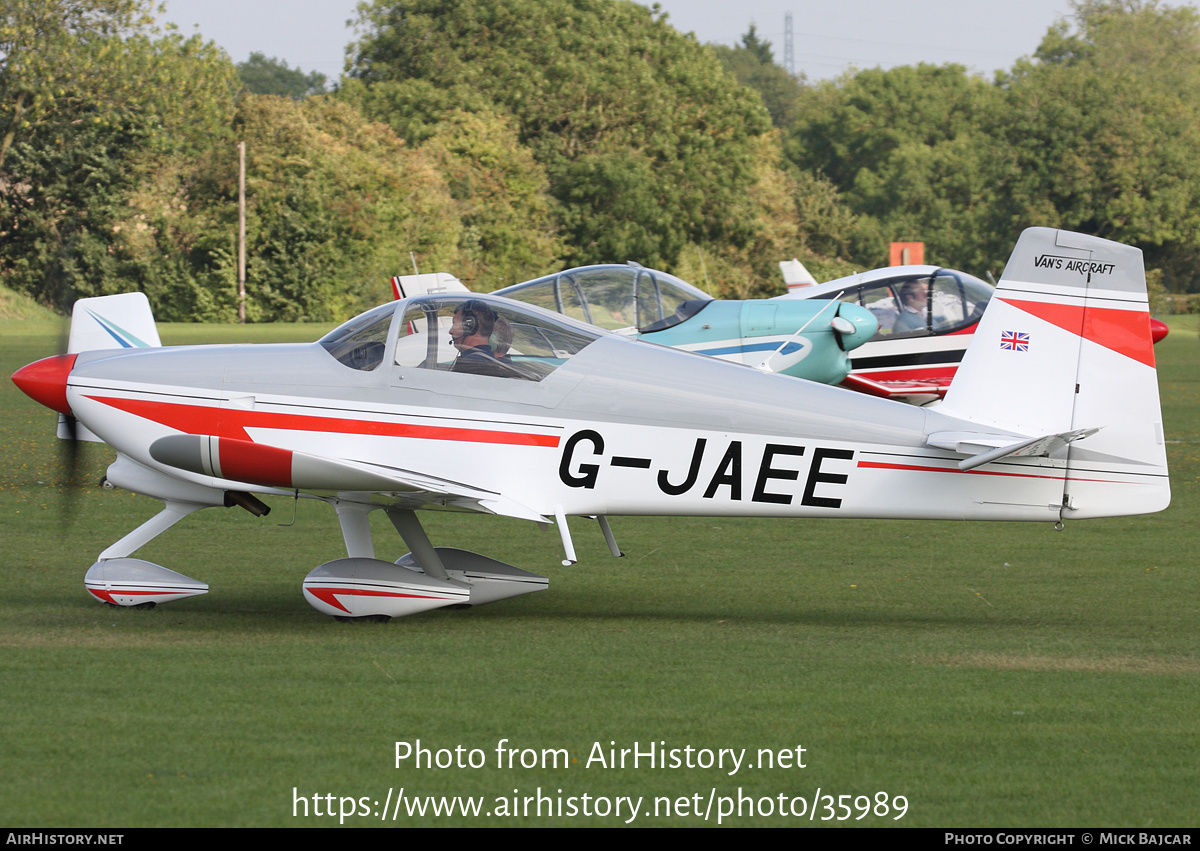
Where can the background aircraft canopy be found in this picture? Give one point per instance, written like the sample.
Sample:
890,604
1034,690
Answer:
625,299
914,301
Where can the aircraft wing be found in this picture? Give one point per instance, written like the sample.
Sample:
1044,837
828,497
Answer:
271,466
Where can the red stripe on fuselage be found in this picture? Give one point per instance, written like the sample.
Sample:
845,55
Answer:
1126,332
879,465
199,419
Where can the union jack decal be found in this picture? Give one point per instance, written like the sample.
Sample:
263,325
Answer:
1014,341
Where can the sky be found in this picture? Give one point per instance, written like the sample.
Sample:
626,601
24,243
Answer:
983,35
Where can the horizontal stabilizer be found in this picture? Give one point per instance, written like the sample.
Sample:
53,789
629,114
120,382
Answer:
985,448
901,390
74,431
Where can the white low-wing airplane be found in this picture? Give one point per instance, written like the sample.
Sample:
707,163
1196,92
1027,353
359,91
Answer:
472,403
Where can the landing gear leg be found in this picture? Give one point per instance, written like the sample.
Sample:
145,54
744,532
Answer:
410,529
119,580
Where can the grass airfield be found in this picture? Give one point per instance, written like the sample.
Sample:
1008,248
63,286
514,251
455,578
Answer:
993,675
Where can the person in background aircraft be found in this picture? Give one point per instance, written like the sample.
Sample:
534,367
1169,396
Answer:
913,306
503,335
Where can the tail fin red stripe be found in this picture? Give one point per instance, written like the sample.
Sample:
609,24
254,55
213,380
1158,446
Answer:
1126,332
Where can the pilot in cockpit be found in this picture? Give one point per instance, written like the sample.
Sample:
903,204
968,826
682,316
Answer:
470,332
914,297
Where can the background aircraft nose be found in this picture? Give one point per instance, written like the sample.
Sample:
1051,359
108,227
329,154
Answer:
45,381
864,322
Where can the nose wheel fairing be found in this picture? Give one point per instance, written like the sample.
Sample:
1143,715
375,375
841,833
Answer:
135,582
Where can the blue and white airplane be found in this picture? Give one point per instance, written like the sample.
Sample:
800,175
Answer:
804,339
799,338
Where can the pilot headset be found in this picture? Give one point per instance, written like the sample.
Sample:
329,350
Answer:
472,312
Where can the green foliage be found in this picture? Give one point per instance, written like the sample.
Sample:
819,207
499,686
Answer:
61,212
500,139
334,205
1098,132
146,101
753,64
776,209
337,203
1104,130
645,141
501,194
412,108
57,57
517,137
18,307
756,47
828,225
270,76
911,153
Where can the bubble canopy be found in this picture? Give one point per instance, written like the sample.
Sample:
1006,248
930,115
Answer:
625,298
460,333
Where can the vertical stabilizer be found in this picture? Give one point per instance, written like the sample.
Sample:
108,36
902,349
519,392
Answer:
405,286
795,275
112,322
1065,345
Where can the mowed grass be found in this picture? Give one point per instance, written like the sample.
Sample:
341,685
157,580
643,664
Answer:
992,674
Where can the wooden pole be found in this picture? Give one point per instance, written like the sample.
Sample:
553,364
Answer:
242,232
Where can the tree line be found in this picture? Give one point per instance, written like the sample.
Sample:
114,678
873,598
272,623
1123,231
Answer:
502,139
